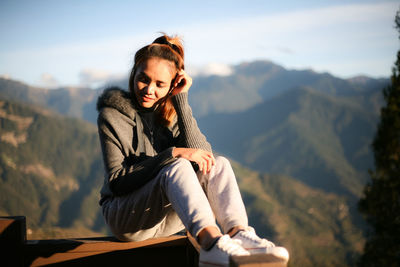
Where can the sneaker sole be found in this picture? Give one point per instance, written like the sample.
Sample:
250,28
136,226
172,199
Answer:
278,252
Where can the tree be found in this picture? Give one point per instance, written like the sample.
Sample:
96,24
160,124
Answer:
380,204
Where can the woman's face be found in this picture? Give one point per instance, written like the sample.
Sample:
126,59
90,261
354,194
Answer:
152,81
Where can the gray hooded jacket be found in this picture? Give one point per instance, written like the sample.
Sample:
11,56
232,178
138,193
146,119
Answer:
134,146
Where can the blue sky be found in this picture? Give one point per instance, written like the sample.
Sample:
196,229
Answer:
58,43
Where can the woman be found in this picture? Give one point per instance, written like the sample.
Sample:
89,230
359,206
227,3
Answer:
161,175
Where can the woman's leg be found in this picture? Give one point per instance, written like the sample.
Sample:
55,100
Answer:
224,196
160,206
143,214
187,197
226,201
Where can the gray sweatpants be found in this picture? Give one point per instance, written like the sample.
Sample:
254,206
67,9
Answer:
175,199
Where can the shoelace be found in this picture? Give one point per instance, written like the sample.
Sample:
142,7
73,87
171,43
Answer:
231,246
253,237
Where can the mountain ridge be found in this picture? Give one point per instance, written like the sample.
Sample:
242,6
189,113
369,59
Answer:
258,81
257,139
251,83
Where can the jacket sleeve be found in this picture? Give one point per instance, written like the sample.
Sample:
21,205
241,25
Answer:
189,133
125,173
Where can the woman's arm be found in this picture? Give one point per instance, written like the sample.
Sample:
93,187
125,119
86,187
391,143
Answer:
189,133
126,174
193,144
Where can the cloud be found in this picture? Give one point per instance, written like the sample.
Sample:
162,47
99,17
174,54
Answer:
301,38
5,76
95,77
218,69
72,63
285,50
48,81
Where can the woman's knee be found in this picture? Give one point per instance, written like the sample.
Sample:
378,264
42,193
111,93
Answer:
180,165
222,170
179,168
222,162
183,163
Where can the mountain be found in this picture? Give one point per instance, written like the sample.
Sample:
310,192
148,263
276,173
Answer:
255,82
250,84
70,101
50,169
322,140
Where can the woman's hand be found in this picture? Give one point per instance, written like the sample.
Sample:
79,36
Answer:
182,83
203,158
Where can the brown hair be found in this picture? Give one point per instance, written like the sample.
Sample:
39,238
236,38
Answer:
168,48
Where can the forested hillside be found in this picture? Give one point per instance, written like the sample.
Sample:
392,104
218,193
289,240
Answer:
50,170
317,227
319,139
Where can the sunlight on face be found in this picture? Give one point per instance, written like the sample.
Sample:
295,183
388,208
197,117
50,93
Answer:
152,81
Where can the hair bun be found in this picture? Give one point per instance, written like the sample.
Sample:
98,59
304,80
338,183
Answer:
174,42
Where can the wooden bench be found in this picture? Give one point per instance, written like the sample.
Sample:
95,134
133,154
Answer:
169,251
17,251
177,250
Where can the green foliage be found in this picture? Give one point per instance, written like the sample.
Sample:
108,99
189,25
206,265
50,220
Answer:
381,201
50,169
316,227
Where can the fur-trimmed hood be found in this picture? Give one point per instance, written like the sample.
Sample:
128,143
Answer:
121,100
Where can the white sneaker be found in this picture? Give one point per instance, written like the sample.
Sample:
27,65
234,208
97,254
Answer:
256,245
219,254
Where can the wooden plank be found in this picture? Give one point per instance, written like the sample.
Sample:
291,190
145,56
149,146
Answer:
17,251
101,244
158,256
256,260
101,250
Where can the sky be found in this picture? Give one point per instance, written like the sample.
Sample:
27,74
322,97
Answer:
51,43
